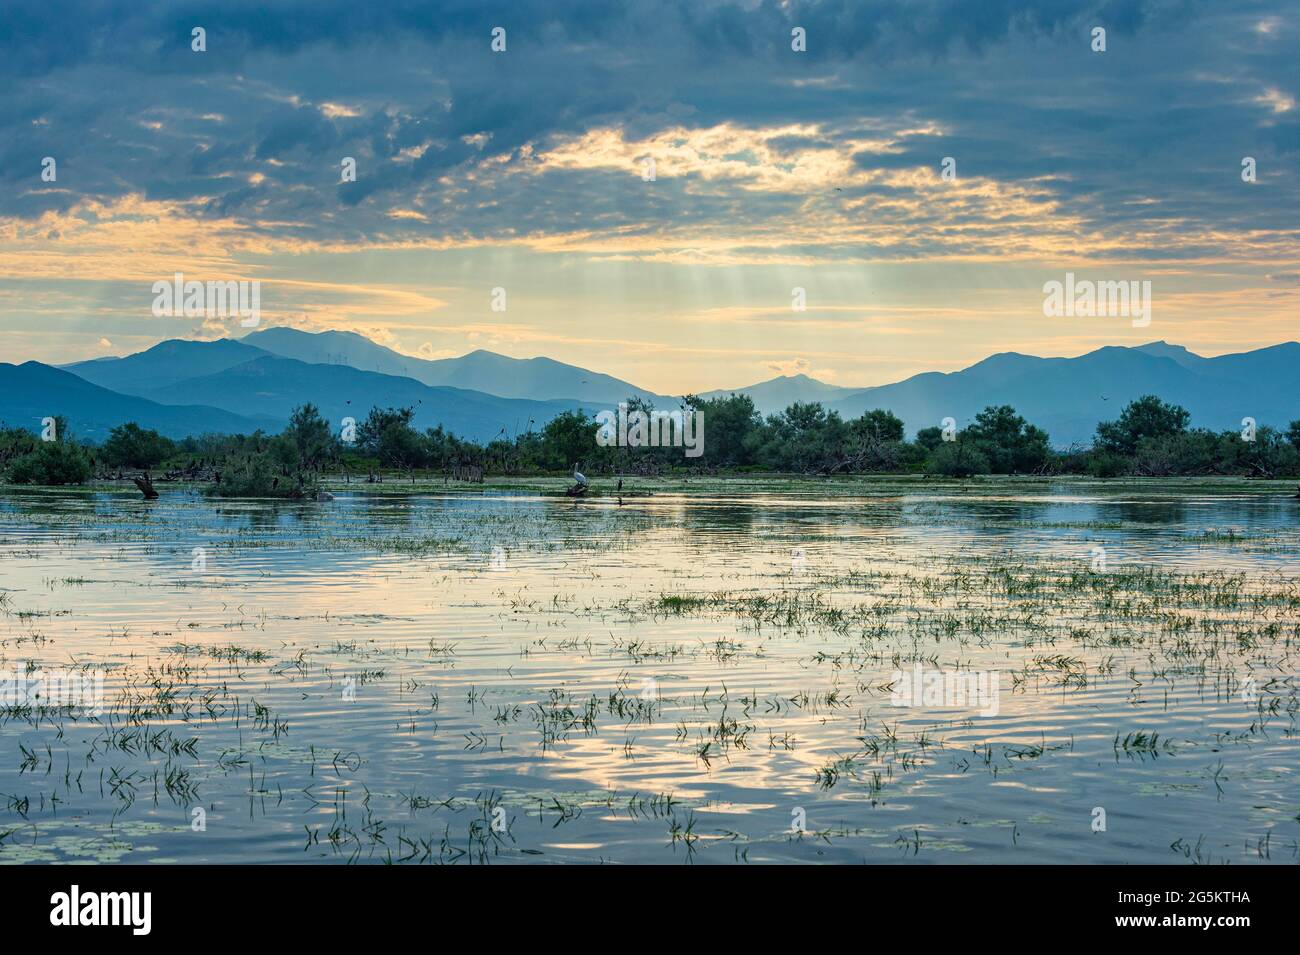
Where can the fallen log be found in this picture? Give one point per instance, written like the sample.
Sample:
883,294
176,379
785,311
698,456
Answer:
145,484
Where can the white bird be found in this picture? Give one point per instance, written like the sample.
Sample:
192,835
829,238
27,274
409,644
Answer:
577,475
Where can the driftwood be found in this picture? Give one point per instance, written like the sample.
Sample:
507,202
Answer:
145,484
576,491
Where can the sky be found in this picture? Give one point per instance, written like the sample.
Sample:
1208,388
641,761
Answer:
774,169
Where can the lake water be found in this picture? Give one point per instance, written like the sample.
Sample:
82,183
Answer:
709,675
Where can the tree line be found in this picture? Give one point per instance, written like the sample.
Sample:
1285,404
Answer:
1150,438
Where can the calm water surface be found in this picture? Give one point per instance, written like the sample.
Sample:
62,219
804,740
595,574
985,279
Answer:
507,677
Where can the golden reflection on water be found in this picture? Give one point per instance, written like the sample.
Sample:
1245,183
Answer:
370,660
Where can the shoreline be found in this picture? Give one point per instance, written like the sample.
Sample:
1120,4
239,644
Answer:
756,484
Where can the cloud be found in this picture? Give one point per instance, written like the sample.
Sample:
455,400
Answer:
428,352
819,168
756,146
791,366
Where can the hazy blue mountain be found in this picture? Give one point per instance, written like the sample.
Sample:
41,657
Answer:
535,378
333,348
478,394
1069,396
273,387
165,364
32,391
777,394
532,378
1176,352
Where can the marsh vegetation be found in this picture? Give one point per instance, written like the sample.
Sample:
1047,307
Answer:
700,673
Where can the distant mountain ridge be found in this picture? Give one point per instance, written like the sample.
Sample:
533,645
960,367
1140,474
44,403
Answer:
32,391
1067,397
482,394
166,363
272,387
255,383
536,378
777,394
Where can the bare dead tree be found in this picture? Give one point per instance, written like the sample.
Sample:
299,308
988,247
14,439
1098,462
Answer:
145,483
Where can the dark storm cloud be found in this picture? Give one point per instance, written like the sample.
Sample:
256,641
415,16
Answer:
42,39
115,93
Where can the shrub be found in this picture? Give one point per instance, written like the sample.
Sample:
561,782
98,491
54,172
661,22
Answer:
1103,464
53,463
130,446
958,459
1011,444
257,476
1147,417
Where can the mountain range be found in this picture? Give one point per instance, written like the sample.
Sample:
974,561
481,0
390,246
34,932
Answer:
32,391
777,394
263,387
190,387
532,378
1067,397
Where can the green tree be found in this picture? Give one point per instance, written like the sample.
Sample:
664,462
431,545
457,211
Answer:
1147,417
1009,443
568,437
803,438
52,463
960,458
256,475
729,423
14,443
1271,454
1293,434
309,433
282,453
875,442
930,438
387,434
880,425
130,446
